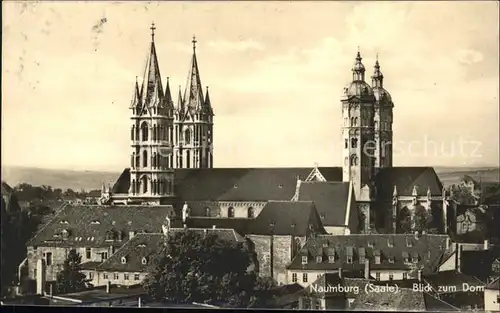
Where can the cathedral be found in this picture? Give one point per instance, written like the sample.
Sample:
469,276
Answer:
171,160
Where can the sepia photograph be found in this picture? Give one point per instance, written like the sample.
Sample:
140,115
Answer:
298,155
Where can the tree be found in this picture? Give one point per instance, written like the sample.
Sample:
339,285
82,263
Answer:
491,194
462,194
189,267
71,278
404,221
422,219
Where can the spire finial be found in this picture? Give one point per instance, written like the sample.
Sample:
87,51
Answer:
194,42
168,78
153,28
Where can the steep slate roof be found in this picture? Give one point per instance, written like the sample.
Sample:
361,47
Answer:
404,178
289,217
6,189
330,198
145,245
88,224
451,278
236,184
428,248
495,285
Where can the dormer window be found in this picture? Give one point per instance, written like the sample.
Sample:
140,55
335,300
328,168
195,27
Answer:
141,245
64,222
331,259
414,258
370,244
319,259
325,245
65,233
409,243
95,222
390,243
304,259
280,186
144,261
406,258
322,215
235,186
391,259
349,255
124,260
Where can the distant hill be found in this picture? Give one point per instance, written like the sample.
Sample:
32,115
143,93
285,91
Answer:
88,180
63,179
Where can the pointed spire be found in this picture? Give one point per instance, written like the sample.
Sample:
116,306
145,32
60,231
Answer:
153,28
358,70
378,77
180,102
136,97
169,103
193,96
208,104
152,88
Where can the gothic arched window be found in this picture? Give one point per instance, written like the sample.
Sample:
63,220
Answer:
132,160
145,158
354,142
346,143
144,131
132,133
352,121
230,212
251,213
187,136
133,186
144,184
355,121
155,133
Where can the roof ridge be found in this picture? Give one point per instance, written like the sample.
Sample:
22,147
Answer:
47,224
116,252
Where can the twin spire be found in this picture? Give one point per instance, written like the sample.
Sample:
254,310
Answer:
358,71
151,94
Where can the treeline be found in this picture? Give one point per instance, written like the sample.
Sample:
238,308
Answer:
26,192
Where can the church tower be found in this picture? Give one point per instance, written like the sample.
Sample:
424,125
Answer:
358,139
151,173
193,142
382,120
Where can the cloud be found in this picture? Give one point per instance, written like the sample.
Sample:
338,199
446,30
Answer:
469,57
225,46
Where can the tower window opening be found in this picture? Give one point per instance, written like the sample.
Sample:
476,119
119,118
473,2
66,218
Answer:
155,133
145,131
132,133
144,158
145,184
354,142
346,145
355,121
187,136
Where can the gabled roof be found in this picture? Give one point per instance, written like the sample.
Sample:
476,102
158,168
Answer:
451,278
277,217
392,249
405,178
6,189
90,225
144,246
495,284
235,184
331,200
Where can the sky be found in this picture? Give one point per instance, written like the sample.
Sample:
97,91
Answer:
276,71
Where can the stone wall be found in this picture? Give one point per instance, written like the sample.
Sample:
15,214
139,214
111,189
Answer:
284,248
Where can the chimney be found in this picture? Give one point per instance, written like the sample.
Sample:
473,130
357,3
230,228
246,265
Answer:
416,235
213,226
139,302
419,277
131,234
40,277
486,244
367,269
340,272
108,287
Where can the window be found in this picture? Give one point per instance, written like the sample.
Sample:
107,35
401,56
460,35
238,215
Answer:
377,259
319,259
125,276
346,145
144,158
144,261
207,212
391,277
304,277
294,277
331,259
414,259
409,244
405,276
349,259
115,276
362,259
137,277
391,259
317,304
187,136
304,259
48,258
105,276
91,275
390,243
230,212
104,256
124,260
132,132
144,130
354,142
88,253
377,276
250,212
